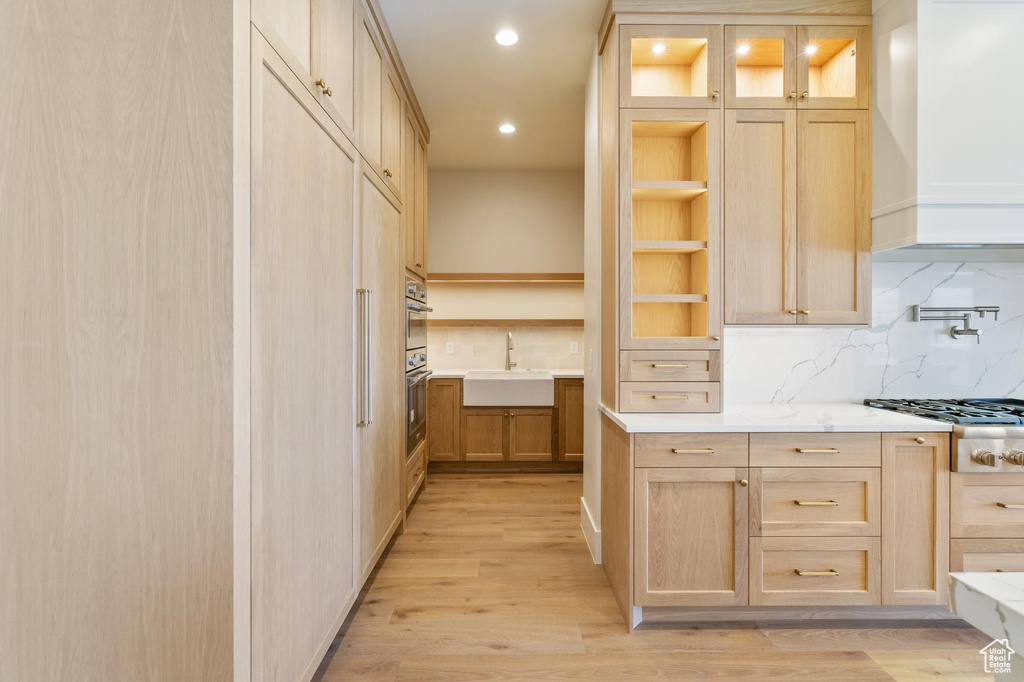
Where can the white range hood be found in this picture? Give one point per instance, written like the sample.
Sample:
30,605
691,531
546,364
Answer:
948,167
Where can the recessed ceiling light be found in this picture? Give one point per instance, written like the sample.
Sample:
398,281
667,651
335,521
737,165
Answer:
659,48
507,128
506,37
811,49
743,49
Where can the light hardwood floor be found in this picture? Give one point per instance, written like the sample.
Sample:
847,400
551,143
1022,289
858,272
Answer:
493,580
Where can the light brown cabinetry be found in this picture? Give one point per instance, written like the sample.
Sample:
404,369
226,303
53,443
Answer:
415,197
670,66
797,220
415,473
814,572
691,536
760,67
333,59
986,519
485,434
444,424
816,502
531,434
370,70
915,518
569,403
986,555
392,125
381,329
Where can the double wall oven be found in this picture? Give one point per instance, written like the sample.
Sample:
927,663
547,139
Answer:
416,371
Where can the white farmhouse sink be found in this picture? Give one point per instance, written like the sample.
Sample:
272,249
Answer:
517,388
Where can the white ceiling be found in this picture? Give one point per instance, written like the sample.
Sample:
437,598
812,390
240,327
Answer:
468,85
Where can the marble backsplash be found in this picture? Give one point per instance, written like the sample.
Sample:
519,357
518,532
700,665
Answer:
895,357
484,347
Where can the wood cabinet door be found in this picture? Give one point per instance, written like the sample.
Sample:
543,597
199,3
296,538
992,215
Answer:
444,402
691,537
420,205
288,26
382,447
674,66
391,133
760,67
485,434
915,518
760,219
833,217
570,419
333,59
834,67
303,484
370,78
409,142
532,432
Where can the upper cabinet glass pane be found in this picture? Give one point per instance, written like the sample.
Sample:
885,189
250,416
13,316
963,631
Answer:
759,67
669,67
832,67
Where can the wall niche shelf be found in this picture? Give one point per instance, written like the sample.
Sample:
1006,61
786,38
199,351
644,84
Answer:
505,278
473,322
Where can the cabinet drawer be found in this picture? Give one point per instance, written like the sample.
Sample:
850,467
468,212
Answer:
986,506
815,502
690,450
664,396
815,571
815,449
639,365
415,472
986,556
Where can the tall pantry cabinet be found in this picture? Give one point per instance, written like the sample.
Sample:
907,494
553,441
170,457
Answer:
736,165
201,337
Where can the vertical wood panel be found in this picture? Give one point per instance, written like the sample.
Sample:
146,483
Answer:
116,341
609,124
444,425
617,514
915,518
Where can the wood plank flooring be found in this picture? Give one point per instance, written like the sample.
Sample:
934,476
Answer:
493,580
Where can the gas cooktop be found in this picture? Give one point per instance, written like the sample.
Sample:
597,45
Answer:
973,411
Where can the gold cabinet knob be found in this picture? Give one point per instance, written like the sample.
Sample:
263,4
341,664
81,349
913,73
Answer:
323,87
793,312
805,95
387,173
714,95
919,440
792,94
744,482
716,338
805,312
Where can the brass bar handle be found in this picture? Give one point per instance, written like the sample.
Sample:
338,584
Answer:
697,451
670,397
1005,505
662,365
822,503
829,573
818,451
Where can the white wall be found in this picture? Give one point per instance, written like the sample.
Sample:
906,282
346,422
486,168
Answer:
506,221
590,505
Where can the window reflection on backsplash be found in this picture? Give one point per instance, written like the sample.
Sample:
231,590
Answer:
484,347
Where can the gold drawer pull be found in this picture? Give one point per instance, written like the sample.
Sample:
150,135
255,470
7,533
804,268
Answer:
696,451
830,573
661,365
670,397
818,451
823,503
1004,505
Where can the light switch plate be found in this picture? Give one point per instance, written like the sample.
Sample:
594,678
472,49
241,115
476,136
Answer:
449,347
574,347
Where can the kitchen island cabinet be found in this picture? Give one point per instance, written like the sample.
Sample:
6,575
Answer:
779,507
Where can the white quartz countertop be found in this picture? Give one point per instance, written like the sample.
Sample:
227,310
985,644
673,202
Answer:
993,603
461,373
810,417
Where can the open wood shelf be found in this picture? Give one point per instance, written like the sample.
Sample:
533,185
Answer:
677,190
669,298
668,246
473,322
505,278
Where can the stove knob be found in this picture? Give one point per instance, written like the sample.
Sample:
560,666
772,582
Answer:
983,457
1014,457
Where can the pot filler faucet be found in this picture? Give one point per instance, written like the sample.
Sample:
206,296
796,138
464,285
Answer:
508,354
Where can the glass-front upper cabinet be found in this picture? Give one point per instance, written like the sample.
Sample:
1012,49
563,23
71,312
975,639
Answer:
760,67
670,66
833,67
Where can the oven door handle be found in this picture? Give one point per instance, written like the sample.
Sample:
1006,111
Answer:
418,308
413,380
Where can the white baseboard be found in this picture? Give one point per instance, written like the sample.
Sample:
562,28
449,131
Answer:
591,532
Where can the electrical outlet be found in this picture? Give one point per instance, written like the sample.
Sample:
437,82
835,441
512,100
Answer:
574,347
449,347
